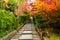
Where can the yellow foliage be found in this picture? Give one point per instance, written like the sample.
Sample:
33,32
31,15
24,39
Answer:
6,1
40,5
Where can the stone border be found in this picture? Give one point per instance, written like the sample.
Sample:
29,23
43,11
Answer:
38,31
11,34
19,28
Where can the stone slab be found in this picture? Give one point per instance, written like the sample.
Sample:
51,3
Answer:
25,37
27,31
16,37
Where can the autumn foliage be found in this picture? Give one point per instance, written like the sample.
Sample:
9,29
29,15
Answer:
40,5
44,5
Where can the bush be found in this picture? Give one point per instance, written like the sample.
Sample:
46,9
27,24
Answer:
51,20
39,21
7,22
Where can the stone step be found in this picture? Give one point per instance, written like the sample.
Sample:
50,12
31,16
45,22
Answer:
27,32
26,37
35,37
16,37
20,32
27,29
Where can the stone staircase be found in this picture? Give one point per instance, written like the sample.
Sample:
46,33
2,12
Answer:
26,33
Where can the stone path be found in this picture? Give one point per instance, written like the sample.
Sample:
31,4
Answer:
26,33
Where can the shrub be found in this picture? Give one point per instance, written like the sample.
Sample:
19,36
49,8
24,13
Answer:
7,22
